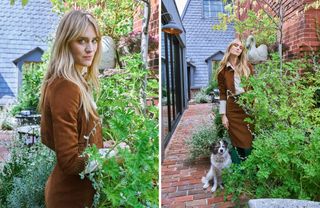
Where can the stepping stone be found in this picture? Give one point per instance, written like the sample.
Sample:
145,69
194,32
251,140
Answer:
282,203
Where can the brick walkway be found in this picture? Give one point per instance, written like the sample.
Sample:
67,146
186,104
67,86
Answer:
181,181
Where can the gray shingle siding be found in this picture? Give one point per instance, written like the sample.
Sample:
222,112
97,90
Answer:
202,40
21,30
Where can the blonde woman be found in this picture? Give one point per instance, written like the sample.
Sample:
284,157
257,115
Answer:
233,67
69,121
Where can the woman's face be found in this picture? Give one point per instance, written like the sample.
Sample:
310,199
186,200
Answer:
236,48
84,48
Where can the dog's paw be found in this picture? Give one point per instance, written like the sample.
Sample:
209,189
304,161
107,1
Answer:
221,186
213,189
205,186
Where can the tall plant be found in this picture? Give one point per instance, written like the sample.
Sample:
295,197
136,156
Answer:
134,181
278,102
115,18
23,177
287,123
29,93
266,18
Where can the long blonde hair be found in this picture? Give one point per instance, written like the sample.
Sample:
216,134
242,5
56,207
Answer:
242,68
62,64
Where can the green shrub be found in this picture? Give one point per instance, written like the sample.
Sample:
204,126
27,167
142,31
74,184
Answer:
201,96
284,164
29,93
7,121
285,160
212,85
23,177
277,102
200,143
133,183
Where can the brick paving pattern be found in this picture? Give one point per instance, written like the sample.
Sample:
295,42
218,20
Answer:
181,180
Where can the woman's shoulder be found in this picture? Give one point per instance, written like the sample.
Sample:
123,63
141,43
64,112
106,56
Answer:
63,85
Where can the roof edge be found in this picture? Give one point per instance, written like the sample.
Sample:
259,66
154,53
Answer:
185,9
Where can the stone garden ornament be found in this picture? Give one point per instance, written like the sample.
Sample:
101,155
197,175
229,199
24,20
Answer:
108,54
256,55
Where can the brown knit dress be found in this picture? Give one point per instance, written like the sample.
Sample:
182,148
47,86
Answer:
239,130
63,127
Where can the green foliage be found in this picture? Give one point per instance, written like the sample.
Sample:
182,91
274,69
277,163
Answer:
201,141
213,84
313,5
260,25
114,17
258,22
7,121
29,92
134,181
285,159
23,2
284,164
201,96
23,177
278,102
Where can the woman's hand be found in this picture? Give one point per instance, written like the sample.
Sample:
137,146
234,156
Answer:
108,144
225,121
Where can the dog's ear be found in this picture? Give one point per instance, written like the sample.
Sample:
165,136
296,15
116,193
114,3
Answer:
225,143
214,148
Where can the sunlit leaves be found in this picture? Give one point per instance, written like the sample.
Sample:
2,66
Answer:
23,2
115,17
285,158
314,5
131,183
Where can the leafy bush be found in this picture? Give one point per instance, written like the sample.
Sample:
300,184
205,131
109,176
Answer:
200,143
134,181
285,159
115,17
284,164
212,85
201,96
7,121
23,177
29,92
277,102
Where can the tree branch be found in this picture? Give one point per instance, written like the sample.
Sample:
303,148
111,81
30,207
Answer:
270,16
269,5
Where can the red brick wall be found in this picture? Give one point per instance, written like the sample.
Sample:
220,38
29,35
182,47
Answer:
299,28
153,31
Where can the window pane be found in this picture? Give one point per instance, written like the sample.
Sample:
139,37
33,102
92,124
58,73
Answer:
211,8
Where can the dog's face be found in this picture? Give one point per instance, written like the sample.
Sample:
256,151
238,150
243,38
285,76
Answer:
219,147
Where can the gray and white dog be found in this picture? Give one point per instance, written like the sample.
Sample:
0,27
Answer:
220,159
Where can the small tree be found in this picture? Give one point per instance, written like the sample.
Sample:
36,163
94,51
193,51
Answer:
115,18
144,51
265,17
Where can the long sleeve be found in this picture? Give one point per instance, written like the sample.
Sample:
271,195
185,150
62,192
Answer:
223,92
65,104
251,68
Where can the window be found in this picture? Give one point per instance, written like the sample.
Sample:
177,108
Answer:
211,8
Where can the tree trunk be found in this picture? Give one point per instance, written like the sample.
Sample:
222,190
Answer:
281,16
144,54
